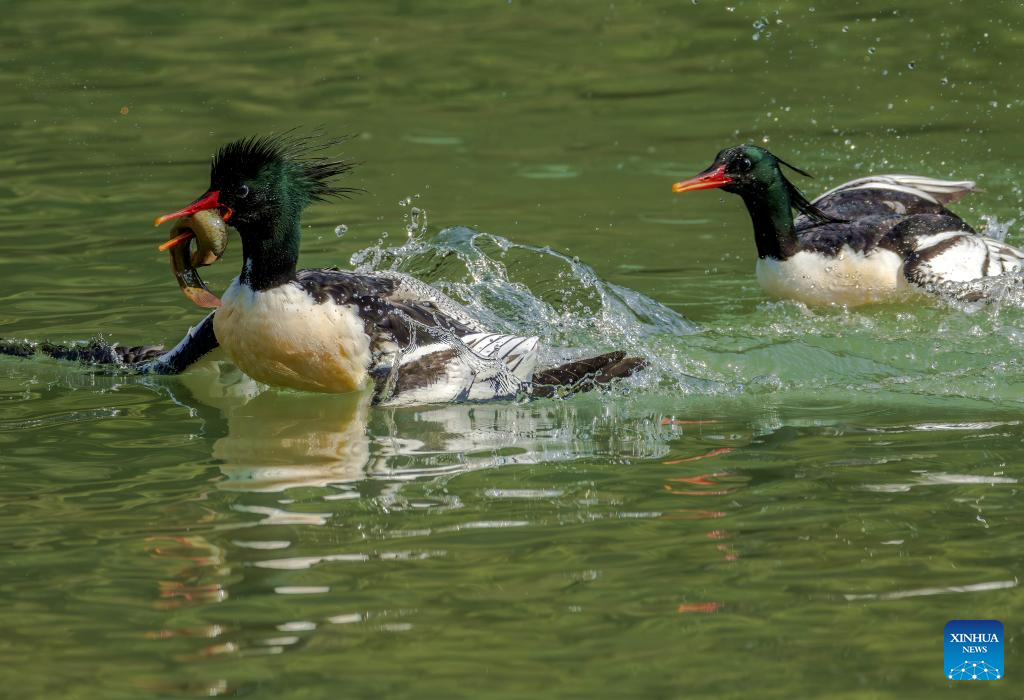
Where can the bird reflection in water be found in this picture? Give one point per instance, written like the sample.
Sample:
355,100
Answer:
267,442
712,484
277,440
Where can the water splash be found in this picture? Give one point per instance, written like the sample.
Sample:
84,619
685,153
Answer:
782,348
994,228
520,289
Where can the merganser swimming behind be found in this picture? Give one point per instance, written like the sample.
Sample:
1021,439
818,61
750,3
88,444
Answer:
331,330
868,240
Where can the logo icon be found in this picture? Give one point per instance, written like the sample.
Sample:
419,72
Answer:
974,650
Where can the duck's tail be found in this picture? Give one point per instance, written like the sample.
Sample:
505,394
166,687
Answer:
584,375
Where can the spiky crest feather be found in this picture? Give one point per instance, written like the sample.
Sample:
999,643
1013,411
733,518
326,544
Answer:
302,155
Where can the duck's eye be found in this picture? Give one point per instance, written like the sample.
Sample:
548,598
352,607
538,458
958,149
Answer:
242,192
745,164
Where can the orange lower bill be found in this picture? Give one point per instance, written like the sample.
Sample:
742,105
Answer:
177,240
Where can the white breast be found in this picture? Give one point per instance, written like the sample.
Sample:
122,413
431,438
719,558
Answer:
848,279
282,337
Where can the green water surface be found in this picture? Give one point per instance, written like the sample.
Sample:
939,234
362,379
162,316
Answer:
792,504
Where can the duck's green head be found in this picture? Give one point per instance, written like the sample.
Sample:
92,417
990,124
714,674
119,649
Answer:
258,181
756,175
741,170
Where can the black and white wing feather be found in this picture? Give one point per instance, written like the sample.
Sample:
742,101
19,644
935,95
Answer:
425,347
928,189
393,317
952,257
891,196
474,367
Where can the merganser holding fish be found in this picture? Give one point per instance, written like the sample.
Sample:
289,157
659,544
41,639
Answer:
330,330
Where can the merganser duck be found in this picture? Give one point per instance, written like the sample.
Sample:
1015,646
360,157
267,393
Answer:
865,241
330,330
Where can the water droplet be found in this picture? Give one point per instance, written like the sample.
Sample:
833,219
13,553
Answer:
845,29
871,50
417,224
340,230
944,81
912,65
